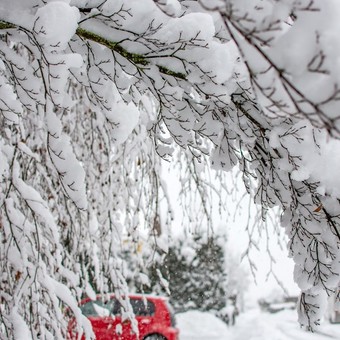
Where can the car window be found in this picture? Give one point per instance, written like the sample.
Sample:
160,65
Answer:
142,307
139,306
101,308
97,308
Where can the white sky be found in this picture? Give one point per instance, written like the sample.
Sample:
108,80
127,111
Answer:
238,241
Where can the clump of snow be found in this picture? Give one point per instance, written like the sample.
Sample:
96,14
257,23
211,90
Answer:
90,291
4,168
201,27
20,328
315,305
173,7
34,200
314,148
9,104
139,13
55,24
125,118
71,173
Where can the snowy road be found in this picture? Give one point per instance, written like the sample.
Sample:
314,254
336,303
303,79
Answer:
252,325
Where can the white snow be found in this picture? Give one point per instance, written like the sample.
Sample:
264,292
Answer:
175,29
313,157
251,325
125,117
55,25
72,174
21,330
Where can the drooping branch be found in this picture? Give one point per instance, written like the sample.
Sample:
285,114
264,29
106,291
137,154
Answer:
135,58
6,25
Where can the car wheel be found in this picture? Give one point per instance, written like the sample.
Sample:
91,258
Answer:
154,337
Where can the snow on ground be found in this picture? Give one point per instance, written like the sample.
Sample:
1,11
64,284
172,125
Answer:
251,325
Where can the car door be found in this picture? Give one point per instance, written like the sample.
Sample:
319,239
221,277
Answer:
99,312
144,311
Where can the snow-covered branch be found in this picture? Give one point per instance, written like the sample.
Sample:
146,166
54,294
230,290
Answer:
94,94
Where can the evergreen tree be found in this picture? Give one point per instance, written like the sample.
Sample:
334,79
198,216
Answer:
196,271
207,288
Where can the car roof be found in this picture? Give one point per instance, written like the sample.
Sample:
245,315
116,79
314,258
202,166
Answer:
132,295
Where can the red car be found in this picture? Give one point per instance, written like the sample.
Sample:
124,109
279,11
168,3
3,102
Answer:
154,316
